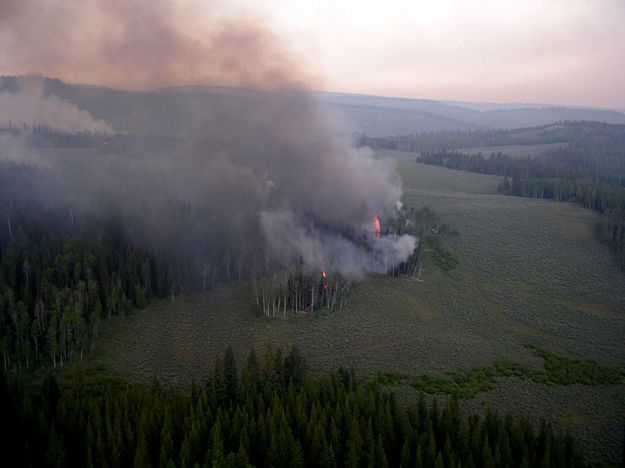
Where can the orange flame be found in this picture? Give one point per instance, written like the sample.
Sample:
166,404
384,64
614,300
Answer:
324,276
376,222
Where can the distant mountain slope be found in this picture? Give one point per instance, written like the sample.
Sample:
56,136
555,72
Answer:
381,116
173,110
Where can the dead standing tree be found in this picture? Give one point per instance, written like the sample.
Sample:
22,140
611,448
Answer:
283,290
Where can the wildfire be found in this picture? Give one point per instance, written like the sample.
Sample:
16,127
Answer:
324,277
376,222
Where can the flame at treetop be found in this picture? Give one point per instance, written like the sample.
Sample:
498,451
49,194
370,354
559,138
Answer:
376,222
324,277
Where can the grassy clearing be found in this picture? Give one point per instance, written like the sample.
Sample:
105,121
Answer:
525,272
529,264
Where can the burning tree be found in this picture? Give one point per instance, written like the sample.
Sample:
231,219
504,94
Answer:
287,292
303,287
424,225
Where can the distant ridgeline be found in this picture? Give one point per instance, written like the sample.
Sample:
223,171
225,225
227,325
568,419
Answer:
43,136
267,412
65,267
588,167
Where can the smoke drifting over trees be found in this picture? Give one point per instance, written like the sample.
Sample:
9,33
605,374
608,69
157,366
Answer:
257,179
28,104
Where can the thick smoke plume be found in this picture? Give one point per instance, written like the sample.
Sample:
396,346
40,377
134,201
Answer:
233,177
29,105
143,44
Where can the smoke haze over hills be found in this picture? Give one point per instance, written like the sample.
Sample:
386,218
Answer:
238,165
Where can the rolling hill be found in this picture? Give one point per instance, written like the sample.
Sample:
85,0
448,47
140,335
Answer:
174,109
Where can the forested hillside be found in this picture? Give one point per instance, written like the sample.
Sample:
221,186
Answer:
60,279
588,169
270,413
72,255
173,109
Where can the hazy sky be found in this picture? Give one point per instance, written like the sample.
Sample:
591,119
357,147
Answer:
555,51
547,51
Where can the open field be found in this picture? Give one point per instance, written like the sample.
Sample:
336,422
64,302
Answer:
514,151
529,273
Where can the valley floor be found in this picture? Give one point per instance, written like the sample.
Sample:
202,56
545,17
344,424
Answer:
529,273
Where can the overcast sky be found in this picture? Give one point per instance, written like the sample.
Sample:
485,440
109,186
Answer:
544,51
554,51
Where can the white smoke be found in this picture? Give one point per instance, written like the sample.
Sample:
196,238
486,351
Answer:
322,250
283,184
30,106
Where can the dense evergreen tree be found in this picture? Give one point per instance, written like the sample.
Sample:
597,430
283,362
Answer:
335,420
57,283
